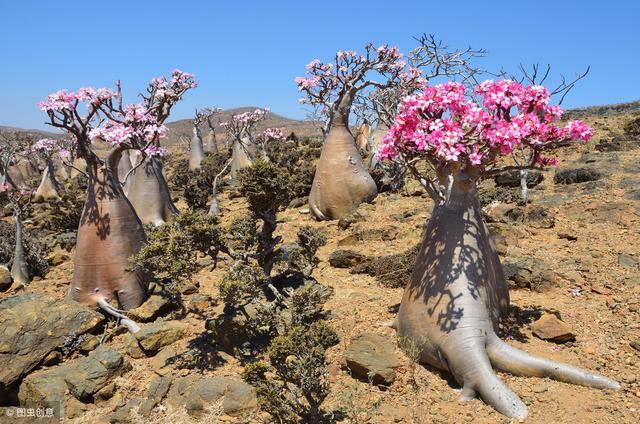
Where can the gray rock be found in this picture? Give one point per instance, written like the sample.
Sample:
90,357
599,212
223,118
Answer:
627,261
576,175
83,377
512,179
153,307
347,221
32,326
371,356
5,278
345,259
155,336
156,391
86,376
197,393
238,396
529,273
540,217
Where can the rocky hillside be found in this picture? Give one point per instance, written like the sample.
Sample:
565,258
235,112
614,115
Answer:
571,256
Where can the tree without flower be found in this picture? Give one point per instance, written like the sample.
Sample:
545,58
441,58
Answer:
49,150
457,295
110,231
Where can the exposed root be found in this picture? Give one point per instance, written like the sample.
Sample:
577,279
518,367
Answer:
122,319
517,362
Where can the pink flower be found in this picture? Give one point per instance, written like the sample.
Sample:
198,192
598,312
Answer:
578,130
58,101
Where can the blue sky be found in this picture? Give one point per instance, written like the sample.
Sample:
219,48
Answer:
248,53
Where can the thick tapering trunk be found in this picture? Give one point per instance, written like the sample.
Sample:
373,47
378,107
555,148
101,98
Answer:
15,178
28,169
62,173
455,300
79,167
362,138
196,151
124,169
19,268
109,233
149,193
375,141
341,182
242,154
49,186
211,142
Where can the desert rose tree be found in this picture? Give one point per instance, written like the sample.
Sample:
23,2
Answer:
110,231
12,146
211,140
457,295
148,191
341,182
48,150
196,149
241,129
20,202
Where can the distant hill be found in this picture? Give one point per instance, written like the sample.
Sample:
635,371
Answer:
612,109
34,133
183,127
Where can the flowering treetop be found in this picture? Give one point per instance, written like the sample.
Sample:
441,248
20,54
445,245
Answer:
451,131
243,124
47,148
272,134
91,114
333,86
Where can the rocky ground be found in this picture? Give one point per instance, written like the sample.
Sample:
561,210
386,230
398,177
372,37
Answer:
571,256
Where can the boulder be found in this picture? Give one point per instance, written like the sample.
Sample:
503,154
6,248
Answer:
540,217
5,278
83,378
237,396
627,261
512,179
550,328
529,273
32,326
371,356
152,308
155,336
345,259
576,175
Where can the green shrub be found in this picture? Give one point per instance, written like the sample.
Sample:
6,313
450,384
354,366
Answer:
171,251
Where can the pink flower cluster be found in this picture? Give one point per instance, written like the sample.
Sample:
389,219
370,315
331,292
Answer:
441,122
272,134
63,100
138,125
45,145
173,89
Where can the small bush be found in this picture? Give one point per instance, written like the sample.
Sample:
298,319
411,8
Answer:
300,384
196,186
170,254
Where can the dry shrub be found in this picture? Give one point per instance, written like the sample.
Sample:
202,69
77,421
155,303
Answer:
391,270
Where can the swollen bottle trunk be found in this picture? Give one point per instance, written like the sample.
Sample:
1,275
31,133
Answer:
48,188
19,269
196,152
210,143
241,156
149,193
376,140
109,233
341,182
